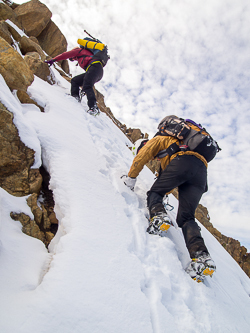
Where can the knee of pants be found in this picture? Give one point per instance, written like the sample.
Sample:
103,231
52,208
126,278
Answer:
74,81
183,218
153,198
87,86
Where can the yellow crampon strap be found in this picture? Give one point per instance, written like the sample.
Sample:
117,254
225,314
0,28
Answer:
164,227
91,45
92,63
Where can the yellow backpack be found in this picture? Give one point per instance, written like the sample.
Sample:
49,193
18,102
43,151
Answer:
91,45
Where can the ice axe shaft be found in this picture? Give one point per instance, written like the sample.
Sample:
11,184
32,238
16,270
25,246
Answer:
91,36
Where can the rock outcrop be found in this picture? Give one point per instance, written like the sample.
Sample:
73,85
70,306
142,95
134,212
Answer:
24,98
7,13
28,45
13,68
52,40
33,16
16,175
39,67
40,226
4,32
25,23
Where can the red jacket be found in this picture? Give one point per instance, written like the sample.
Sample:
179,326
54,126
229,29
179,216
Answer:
76,54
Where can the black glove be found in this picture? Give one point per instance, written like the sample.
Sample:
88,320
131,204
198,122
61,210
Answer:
49,62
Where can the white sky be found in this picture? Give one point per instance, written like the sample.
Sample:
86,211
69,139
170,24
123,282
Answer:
189,58
103,273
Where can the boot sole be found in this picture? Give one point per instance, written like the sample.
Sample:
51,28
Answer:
94,115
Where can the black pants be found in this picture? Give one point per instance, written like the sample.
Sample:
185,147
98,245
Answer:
87,81
189,174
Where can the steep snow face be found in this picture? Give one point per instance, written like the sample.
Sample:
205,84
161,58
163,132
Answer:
103,272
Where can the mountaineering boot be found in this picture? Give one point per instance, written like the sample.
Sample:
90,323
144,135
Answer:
202,265
77,98
82,94
94,111
159,223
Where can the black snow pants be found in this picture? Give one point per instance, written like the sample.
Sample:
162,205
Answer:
189,174
87,81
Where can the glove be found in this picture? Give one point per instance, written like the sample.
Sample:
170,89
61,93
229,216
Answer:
49,62
129,182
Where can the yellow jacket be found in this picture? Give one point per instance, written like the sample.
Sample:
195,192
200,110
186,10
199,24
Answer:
152,148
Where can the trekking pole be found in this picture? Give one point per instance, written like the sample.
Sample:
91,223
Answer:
92,36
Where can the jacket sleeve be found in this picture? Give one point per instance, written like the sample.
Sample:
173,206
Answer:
147,153
66,55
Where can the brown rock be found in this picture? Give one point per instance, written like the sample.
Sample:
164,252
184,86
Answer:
36,211
13,5
15,34
33,16
65,66
46,221
246,264
27,45
39,67
49,236
41,221
52,217
7,13
40,213
52,40
30,227
35,181
134,134
34,39
202,215
15,158
13,68
25,99
4,32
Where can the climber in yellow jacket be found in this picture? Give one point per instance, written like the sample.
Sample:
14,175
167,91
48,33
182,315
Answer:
187,171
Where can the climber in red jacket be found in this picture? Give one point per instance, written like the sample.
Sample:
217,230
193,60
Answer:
93,73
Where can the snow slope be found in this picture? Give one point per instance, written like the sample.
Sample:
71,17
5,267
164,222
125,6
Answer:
103,272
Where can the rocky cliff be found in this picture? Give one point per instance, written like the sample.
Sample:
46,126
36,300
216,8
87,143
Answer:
28,36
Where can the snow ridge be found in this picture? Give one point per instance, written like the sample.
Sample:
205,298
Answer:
103,272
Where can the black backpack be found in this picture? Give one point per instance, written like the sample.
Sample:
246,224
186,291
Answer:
102,56
191,136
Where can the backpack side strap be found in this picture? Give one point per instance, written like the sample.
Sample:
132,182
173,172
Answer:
172,149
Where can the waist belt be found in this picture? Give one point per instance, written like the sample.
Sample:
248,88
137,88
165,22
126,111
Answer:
172,149
94,62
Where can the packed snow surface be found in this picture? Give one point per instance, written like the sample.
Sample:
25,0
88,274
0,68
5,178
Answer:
103,273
